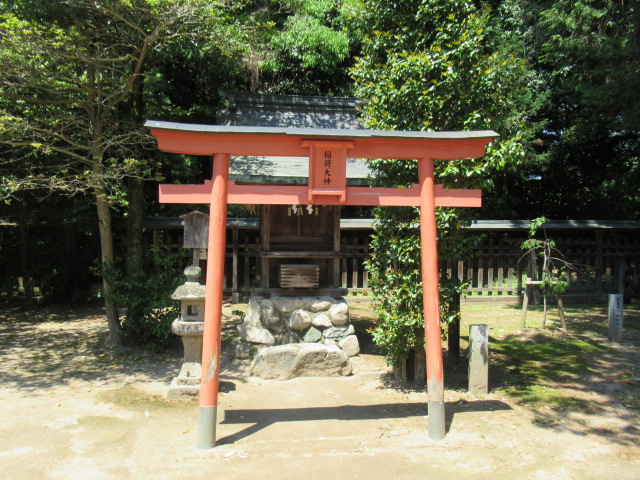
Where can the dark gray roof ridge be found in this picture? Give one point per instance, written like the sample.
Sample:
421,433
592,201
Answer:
554,224
318,132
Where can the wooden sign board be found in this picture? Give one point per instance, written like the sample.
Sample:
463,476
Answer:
327,169
196,230
299,276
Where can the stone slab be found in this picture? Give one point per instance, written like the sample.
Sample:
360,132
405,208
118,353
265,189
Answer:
284,362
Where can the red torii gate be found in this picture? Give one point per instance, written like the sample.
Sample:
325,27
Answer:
327,150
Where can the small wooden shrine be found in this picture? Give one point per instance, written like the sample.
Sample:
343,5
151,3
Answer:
300,250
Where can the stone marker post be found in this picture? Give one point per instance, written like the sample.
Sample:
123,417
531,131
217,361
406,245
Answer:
615,317
479,359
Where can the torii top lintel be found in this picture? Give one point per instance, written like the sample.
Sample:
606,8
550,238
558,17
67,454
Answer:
327,150
282,141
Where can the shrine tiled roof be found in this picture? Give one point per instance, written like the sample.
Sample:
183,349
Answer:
291,112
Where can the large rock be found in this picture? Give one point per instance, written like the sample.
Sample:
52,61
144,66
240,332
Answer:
339,314
350,345
321,304
300,320
252,317
300,360
287,337
256,335
338,333
270,316
321,321
313,335
288,305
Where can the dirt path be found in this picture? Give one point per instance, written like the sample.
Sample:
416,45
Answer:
68,411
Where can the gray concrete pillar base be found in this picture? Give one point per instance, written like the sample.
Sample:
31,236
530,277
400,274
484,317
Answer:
437,428
207,417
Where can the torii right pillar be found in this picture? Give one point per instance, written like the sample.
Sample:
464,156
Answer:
431,299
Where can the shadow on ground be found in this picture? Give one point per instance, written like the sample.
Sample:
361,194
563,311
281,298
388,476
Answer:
54,345
263,418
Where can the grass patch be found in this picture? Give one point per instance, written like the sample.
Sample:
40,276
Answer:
535,362
133,399
545,368
550,398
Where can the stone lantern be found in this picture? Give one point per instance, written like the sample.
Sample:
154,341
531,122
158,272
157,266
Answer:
189,326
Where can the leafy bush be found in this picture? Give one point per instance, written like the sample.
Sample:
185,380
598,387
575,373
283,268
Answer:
149,296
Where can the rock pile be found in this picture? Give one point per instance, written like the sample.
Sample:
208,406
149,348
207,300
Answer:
321,322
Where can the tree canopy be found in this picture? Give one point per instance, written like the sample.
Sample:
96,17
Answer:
585,56
71,83
307,49
558,79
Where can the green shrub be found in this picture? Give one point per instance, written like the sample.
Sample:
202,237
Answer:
149,296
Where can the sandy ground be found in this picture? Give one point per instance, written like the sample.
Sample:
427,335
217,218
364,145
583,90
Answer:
71,410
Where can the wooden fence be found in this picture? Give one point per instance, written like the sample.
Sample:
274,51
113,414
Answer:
608,260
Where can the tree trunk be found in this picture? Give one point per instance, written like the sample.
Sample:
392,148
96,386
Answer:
419,366
453,342
107,256
416,366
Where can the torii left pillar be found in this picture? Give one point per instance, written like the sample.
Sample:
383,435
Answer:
211,344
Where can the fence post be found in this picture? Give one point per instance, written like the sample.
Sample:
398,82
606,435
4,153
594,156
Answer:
533,272
235,295
525,303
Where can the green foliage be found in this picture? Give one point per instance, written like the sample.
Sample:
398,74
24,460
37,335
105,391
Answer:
585,54
149,295
311,43
73,86
426,65
395,281
310,52
74,92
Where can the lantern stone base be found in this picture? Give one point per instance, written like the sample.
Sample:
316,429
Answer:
187,384
177,391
